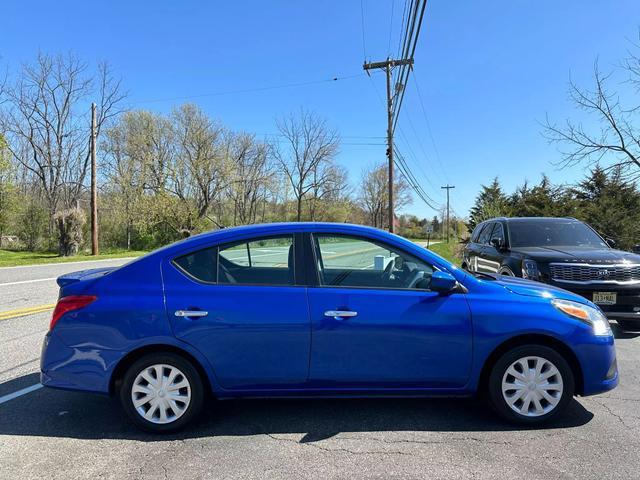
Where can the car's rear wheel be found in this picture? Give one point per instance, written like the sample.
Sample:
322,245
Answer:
161,392
530,384
631,325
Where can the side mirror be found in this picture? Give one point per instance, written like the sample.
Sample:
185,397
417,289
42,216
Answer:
442,282
611,242
498,243
636,248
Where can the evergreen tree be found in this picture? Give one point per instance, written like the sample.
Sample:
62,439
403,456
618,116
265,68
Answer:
491,202
611,205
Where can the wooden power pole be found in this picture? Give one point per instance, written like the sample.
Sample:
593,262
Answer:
94,193
448,187
387,66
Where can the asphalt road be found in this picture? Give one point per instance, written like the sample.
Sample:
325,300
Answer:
56,434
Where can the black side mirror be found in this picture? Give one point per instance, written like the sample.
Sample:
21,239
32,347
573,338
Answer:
611,242
636,248
498,243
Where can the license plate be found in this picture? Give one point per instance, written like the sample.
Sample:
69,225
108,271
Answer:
605,298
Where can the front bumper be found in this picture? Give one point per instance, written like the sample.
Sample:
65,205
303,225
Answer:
599,365
627,304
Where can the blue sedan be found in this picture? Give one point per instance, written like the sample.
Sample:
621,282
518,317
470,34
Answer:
312,309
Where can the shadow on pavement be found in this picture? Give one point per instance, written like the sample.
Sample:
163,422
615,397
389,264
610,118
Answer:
55,413
621,334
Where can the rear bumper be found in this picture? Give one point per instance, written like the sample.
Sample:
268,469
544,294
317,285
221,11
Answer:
76,368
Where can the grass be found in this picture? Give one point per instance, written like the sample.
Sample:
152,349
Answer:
11,258
447,250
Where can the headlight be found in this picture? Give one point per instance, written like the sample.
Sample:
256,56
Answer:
589,315
530,269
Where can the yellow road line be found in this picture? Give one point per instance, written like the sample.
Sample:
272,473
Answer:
21,312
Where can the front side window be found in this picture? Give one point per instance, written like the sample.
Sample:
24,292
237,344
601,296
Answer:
486,234
345,261
497,234
264,261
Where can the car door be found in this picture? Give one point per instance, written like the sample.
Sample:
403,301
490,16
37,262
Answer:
474,249
375,324
484,261
491,255
239,304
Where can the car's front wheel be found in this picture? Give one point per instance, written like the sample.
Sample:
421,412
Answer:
161,392
530,384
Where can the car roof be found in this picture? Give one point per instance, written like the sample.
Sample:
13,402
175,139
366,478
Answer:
269,229
531,219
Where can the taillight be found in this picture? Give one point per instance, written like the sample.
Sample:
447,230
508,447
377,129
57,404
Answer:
68,304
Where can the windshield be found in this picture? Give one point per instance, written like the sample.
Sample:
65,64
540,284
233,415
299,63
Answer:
553,233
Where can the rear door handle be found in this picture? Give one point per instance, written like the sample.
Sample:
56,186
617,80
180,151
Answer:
340,314
191,313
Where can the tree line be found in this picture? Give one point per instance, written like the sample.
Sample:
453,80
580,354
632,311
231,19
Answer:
162,177
606,199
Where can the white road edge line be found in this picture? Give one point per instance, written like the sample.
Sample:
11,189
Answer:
68,263
27,281
20,393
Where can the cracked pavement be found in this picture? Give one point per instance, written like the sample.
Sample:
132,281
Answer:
49,434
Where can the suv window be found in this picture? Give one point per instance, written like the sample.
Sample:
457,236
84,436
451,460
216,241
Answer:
476,232
485,235
347,261
263,261
498,232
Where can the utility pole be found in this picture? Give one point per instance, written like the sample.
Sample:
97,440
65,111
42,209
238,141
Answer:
94,194
387,65
448,187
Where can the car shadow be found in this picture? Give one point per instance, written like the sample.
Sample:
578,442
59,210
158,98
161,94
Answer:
620,334
56,413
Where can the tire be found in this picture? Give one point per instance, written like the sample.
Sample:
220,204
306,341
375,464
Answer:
630,325
507,272
186,389
559,387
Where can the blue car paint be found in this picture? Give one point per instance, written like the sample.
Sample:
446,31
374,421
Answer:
262,341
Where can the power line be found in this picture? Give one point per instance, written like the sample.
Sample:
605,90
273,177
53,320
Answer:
364,47
251,90
426,119
413,183
393,4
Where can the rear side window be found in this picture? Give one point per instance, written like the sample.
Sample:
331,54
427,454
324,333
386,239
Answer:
201,265
485,235
263,261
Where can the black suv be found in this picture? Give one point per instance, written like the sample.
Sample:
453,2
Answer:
563,252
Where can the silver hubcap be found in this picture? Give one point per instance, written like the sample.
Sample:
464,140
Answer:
161,393
532,386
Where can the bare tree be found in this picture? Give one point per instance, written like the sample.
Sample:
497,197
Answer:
374,194
308,149
46,121
618,138
199,174
251,177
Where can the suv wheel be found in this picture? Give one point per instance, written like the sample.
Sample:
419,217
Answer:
530,384
161,392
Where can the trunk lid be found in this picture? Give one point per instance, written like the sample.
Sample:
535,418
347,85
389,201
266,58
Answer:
90,274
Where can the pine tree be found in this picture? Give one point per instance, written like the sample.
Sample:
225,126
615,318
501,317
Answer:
491,202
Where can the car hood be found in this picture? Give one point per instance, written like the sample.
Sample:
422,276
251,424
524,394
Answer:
578,255
529,288
89,274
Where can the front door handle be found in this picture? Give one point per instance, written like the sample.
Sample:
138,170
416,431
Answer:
340,314
191,313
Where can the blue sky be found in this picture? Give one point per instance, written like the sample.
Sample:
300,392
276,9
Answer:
488,72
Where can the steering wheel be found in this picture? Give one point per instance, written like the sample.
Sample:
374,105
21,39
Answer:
387,275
